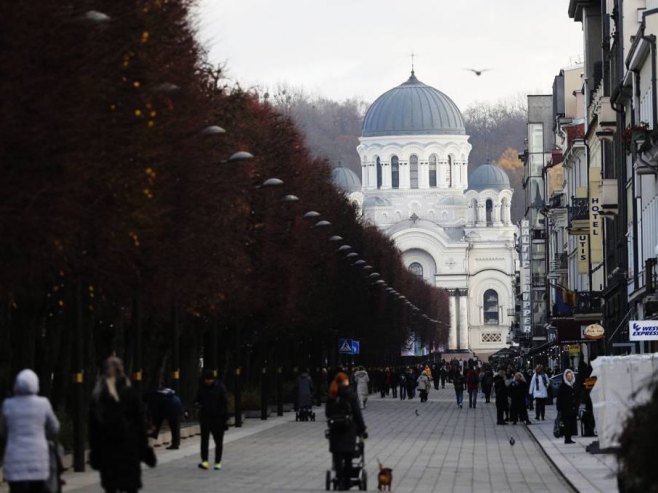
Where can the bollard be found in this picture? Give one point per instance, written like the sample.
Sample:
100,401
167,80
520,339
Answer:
238,397
263,393
279,391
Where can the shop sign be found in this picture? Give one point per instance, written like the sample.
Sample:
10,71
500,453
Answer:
643,330
594,332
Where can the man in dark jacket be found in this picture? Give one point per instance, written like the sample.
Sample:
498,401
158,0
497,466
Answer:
345,425
458,381
502,403
213,411
165,404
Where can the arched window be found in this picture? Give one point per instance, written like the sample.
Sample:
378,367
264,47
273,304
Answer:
490,307
416,269
449,172
413,171
432,163
378,164
489,208
395,172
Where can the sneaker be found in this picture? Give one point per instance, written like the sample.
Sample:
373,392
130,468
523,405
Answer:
204,465
172,447
218,466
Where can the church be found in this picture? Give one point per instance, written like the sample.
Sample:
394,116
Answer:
454,230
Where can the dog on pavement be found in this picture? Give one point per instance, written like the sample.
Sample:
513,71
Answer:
384,478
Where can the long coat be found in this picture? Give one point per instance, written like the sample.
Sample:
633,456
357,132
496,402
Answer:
304,387
501,389
25,421
518,391
344,442
117,436
361,378
567,406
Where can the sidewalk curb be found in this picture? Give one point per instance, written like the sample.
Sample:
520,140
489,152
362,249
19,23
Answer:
551,461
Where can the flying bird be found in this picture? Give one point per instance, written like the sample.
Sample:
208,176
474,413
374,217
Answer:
478,72
512,441
417,413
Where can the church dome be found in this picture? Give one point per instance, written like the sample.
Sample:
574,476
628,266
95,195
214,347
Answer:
345,179
413,108
488,176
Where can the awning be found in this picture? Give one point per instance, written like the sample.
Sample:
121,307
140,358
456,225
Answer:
539,349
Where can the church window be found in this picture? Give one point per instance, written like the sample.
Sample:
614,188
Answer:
413,171
395,172
432,163
379,172
416,269
489,208
490,307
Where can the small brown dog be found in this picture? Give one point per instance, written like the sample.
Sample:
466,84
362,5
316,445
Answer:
384,478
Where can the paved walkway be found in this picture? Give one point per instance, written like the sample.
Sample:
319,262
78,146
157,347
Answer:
585,471
444,448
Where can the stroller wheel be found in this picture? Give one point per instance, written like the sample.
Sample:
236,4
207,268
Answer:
327,484
363,480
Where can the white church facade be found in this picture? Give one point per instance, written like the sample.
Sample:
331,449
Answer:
454,230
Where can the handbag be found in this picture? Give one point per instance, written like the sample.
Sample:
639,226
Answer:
558,426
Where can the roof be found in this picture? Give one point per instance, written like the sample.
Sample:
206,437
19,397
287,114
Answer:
345,179
488,176
413,108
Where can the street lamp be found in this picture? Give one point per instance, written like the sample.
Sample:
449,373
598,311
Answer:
311,215
97,17
271,182
336,238
209,130
344,248
322,224
290,198
351,255
237,157
360,262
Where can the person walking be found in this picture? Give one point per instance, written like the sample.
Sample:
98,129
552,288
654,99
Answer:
361,378
117,431
212,401
304,392
502,402
424,384
166,405
403,384
486,383
539,391
518,392
567,405
458,382
394,383
472,383
345,423
411,384
27,422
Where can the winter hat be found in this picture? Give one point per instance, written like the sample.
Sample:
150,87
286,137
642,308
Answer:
564,377
27,383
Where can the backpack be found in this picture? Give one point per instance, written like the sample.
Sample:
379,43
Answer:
341,417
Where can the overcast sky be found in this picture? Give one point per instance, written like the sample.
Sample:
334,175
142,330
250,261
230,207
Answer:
361,48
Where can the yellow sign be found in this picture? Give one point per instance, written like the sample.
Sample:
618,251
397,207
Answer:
574,349
595,220
582,249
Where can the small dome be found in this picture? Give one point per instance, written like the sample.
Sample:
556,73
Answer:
488,176
413,108
345,179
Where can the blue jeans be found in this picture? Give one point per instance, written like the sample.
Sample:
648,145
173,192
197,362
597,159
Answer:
460,396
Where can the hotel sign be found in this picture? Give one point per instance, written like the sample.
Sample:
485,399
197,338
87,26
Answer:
595,220
582,248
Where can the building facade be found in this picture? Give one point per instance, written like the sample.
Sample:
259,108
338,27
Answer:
453,230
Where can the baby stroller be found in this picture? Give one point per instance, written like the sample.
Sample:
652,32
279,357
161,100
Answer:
305,414
358,476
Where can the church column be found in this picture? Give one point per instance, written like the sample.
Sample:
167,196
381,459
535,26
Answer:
507,219
497,214
482,213
463,319
386,175
372,175
441,180
364,175
424,174
465,174
452,334
404,174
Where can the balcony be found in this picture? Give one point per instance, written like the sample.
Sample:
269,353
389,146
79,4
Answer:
538,281
588,304
559,263
579,216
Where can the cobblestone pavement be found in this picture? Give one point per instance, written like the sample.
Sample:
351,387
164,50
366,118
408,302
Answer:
444,448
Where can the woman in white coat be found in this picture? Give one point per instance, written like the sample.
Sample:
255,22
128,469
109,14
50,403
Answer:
27,422
361,379
539,391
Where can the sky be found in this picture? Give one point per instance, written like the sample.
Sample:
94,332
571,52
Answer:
342,49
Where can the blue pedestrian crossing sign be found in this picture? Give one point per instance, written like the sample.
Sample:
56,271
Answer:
349,346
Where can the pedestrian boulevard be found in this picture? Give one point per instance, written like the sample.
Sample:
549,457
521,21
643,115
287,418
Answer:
444,448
